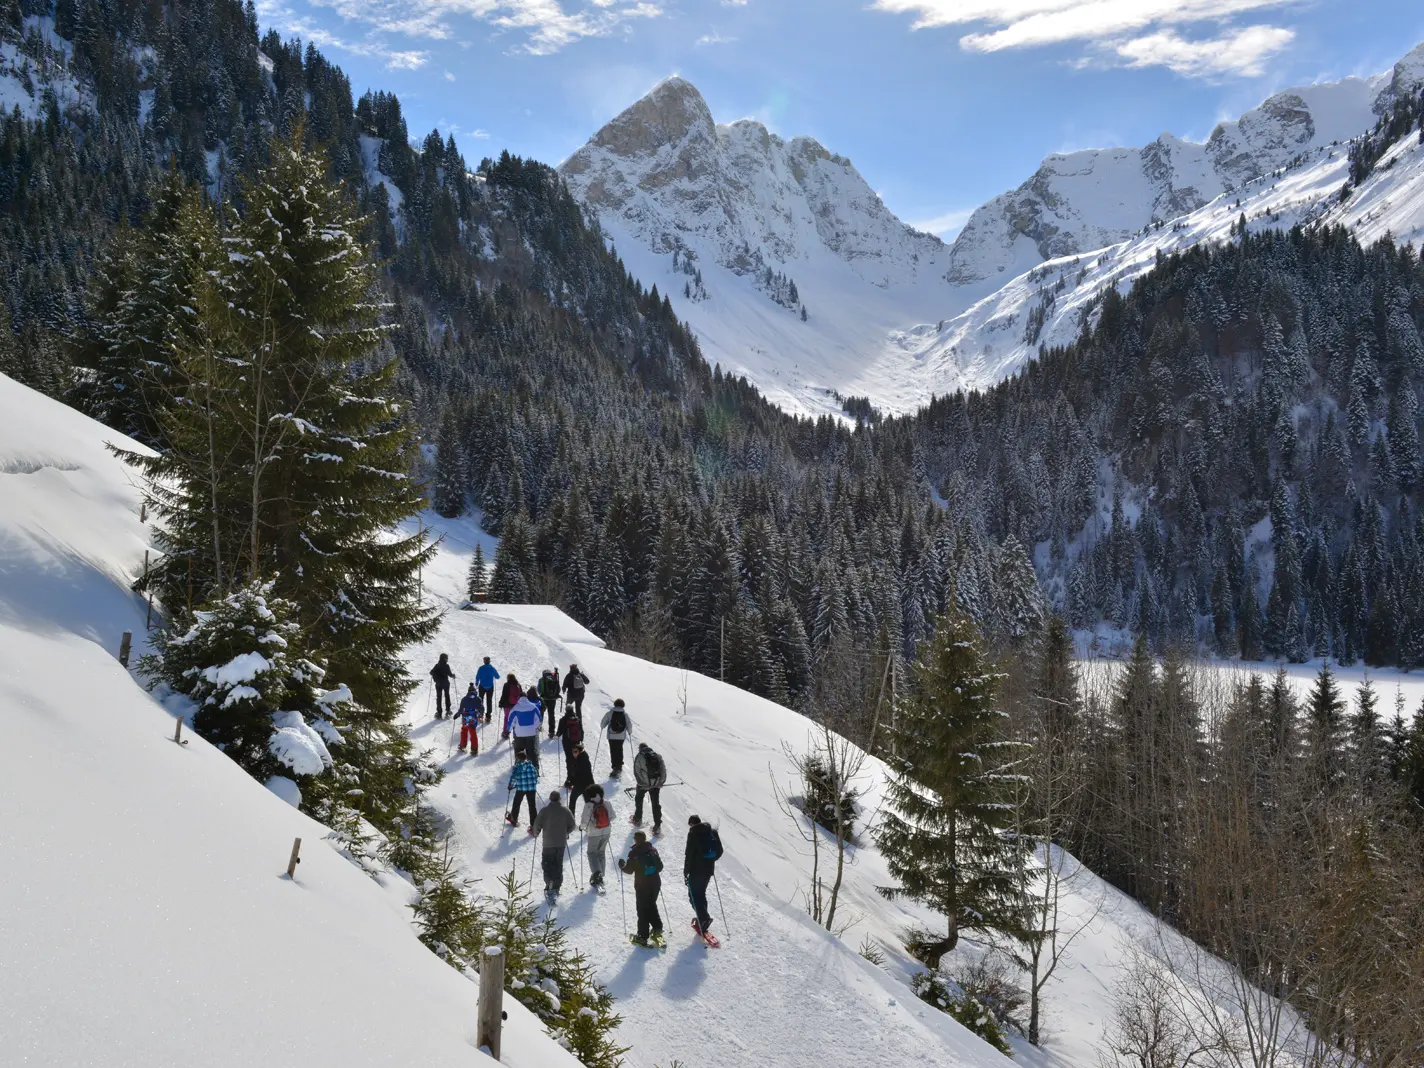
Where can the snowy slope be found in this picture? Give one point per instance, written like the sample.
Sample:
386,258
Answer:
896,315
144,915
781,993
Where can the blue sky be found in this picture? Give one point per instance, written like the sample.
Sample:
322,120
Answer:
941,104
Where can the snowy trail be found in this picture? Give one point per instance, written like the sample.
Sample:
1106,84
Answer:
704,1007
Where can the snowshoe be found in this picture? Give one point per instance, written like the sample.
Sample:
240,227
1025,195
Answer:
707,936
657,830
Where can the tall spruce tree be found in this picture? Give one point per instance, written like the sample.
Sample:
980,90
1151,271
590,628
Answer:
954,794
1324,726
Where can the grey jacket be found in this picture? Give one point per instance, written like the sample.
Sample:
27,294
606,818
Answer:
617,736
556,823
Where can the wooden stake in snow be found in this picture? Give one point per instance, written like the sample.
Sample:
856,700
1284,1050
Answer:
147,623
491,1016
125,645
178,732
295,858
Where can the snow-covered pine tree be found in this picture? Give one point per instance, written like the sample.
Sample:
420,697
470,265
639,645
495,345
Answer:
513,563
954,794
589,1019
451,483
241,662
450,920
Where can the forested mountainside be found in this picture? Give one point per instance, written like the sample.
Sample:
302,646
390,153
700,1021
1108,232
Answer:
1250,412
658,500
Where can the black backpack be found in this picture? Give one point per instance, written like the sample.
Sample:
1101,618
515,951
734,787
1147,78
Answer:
711,843
618,722
657,773
652,863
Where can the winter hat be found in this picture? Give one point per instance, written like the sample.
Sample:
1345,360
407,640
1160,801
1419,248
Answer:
643,747
472,687
693,821
618,703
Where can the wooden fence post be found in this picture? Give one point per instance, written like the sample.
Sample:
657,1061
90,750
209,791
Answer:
491,1015
178,732
125,646
295,859
148,622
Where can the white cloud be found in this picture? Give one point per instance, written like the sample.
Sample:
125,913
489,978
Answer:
545,26
713,39
1136,33
449,77
482,135
946,224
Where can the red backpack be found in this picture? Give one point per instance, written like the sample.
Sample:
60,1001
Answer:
600,815
573,732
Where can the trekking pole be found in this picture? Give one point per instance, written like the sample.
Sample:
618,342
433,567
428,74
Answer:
720,909
622,898
596,750
583,848
531,868
573,869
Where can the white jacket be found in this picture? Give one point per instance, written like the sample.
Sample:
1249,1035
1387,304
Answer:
521,724
618,736
586,820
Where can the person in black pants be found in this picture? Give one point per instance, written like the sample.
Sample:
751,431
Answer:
699,862
644,865
443,674
574,685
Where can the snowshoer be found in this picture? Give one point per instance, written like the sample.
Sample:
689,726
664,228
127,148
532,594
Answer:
699,862
649,773
571,733
523,721
597,825
555,823
580,776
523,781
485,676
644,865
470,721
574,685
618,726
549,694
510,695
443,674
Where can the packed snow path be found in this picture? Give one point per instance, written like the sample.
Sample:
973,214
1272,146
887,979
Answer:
705,1007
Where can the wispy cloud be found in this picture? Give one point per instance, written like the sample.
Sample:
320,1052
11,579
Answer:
542,26
713,39
375,46
946,224
1135,33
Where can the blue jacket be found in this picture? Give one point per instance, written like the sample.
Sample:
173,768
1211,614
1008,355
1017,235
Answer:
527,715
471,707
485,676
525,776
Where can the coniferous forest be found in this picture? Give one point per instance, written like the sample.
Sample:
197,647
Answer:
1227,460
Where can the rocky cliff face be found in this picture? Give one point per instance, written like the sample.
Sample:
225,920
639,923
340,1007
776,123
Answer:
740,194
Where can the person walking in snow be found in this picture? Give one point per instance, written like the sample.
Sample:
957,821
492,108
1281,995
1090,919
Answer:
510,695
699,864
617,725
649,775
443,674
574,685
555,823
580,776
523,782
523,722
571,734
485,676
470,721
549,695
597,825
644,865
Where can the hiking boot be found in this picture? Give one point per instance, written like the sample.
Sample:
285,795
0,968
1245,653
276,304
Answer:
460,750
643,942
657,829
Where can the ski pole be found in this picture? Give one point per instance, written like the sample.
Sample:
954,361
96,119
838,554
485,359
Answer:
596,750
531,868
573,870
623,900
583,848
720,909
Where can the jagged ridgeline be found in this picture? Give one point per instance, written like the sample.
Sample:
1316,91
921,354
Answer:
1230,456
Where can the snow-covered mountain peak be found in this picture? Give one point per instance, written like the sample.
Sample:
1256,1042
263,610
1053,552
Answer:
737,194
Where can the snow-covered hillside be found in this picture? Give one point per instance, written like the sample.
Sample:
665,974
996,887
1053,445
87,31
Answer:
781,993
704,211
145,917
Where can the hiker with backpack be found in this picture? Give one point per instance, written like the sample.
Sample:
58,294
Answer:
649,775
523,782
699,864
571,733
617,726
523,722
597,825
644,865
485,675
443,674
580,776
549,695
574,685
555,823
470,721
510,695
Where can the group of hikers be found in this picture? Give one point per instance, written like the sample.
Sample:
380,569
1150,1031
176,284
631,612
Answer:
524,711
